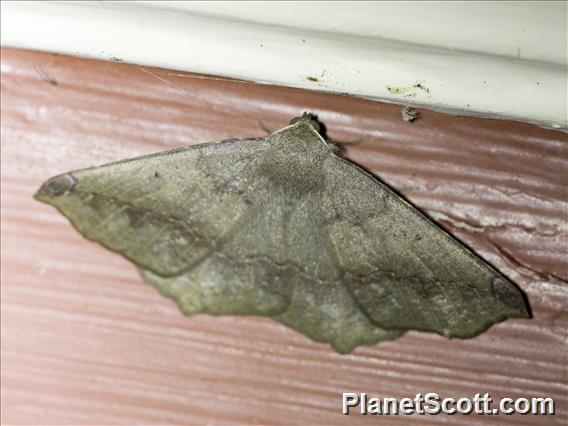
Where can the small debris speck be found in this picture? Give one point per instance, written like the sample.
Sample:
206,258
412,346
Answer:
44,77
409,114
422,87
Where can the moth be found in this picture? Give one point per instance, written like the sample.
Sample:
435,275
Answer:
285,227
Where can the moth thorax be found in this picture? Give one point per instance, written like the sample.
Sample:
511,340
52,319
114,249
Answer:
293,170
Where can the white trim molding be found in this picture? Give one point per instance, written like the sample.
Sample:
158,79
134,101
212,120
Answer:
491,59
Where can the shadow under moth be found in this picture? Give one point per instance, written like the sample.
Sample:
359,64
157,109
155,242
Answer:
284,227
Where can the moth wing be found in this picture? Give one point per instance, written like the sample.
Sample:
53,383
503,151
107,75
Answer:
171,214
404,271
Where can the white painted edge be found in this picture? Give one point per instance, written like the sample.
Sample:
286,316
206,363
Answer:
374,68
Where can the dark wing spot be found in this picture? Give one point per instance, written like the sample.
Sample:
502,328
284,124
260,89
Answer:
58,185
508,293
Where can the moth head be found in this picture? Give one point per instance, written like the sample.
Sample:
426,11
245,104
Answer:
308,118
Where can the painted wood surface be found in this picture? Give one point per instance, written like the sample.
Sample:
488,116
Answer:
85,341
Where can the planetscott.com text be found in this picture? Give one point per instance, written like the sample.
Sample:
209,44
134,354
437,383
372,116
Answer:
432,403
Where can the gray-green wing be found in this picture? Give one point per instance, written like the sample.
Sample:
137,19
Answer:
171,214
405,272
164,212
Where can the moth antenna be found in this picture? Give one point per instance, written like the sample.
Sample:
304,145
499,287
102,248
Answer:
264,127
343,143
312,119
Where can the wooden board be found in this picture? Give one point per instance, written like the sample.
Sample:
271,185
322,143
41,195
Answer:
85,341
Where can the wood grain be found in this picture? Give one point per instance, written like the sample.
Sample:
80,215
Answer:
85,341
